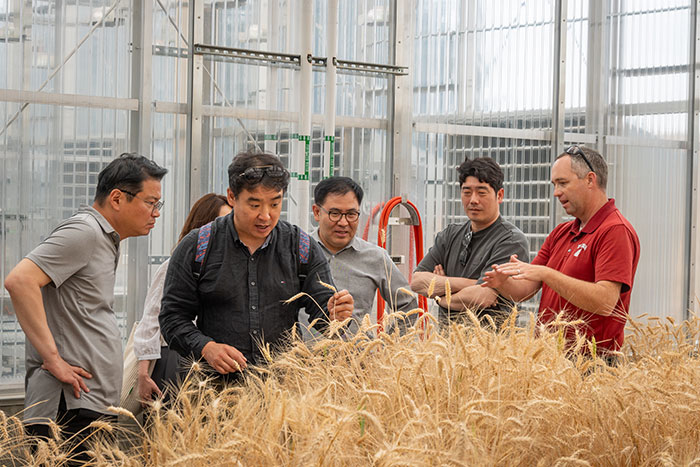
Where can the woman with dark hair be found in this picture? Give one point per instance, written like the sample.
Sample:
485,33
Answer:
157,364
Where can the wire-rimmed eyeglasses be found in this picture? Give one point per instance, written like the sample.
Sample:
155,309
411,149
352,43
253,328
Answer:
154,205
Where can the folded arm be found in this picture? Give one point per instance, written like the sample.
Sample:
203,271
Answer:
422,279
472,297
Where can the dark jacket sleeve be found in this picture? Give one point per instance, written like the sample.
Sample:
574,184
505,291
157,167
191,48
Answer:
180,304
318,271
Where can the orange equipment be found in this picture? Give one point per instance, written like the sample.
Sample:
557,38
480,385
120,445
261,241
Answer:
416,239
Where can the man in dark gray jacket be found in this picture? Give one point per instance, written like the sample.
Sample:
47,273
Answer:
463,253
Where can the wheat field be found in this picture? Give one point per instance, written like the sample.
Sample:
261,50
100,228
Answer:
464,396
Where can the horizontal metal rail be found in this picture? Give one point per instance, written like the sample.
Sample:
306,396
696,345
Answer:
70,100
282,59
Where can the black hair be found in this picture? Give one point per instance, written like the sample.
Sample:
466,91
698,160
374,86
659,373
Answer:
250,159
338,186
485,169
127,172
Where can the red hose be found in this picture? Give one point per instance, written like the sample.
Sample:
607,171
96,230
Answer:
370,218
416,240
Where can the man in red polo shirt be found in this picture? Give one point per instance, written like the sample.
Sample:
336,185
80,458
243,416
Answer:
586,266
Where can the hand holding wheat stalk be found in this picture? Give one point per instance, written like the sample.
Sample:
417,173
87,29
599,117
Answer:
340,306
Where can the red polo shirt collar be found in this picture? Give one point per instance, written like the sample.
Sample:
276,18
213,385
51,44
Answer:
596,220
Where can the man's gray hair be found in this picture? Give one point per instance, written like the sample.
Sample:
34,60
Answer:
581,157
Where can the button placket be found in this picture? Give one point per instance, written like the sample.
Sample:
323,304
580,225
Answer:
253,299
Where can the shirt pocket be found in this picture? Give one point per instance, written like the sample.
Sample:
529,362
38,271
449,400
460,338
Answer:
222,283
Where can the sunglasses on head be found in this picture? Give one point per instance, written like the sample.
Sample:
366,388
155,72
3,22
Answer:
255,174
576,151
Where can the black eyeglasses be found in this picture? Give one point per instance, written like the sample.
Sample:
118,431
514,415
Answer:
154,205
464,253
576,151
255,174
334,215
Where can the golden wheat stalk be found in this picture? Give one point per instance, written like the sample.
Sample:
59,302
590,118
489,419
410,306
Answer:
402,400
448,293
431,286
298,296
328,286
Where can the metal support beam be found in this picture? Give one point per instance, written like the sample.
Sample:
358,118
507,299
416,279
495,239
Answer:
402,108
331,87
285,60
249,55
194,97
272,90
693,285
57,123
485,131
559,93
70,100
301,159
400,164
597,73
140,141
141,77
370,68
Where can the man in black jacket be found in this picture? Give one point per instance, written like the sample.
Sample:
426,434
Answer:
252,265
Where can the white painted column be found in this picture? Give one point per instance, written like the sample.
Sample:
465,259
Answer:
299,204
331,88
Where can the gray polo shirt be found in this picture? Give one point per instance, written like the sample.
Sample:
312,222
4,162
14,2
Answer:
80,257
363,268
493,245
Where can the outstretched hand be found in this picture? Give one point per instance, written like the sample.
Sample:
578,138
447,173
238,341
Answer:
68,374
515,269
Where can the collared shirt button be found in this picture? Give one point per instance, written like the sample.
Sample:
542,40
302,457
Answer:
253,307
569,250
255,331
252,259
252,283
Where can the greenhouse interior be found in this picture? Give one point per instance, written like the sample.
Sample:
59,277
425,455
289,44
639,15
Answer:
396,95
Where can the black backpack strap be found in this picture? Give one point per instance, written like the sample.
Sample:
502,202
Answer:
203,238
304,249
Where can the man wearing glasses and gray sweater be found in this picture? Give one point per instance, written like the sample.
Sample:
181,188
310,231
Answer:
358,266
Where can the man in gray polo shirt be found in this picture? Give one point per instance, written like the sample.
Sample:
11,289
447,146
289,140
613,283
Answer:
356,265
63,295
463,253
